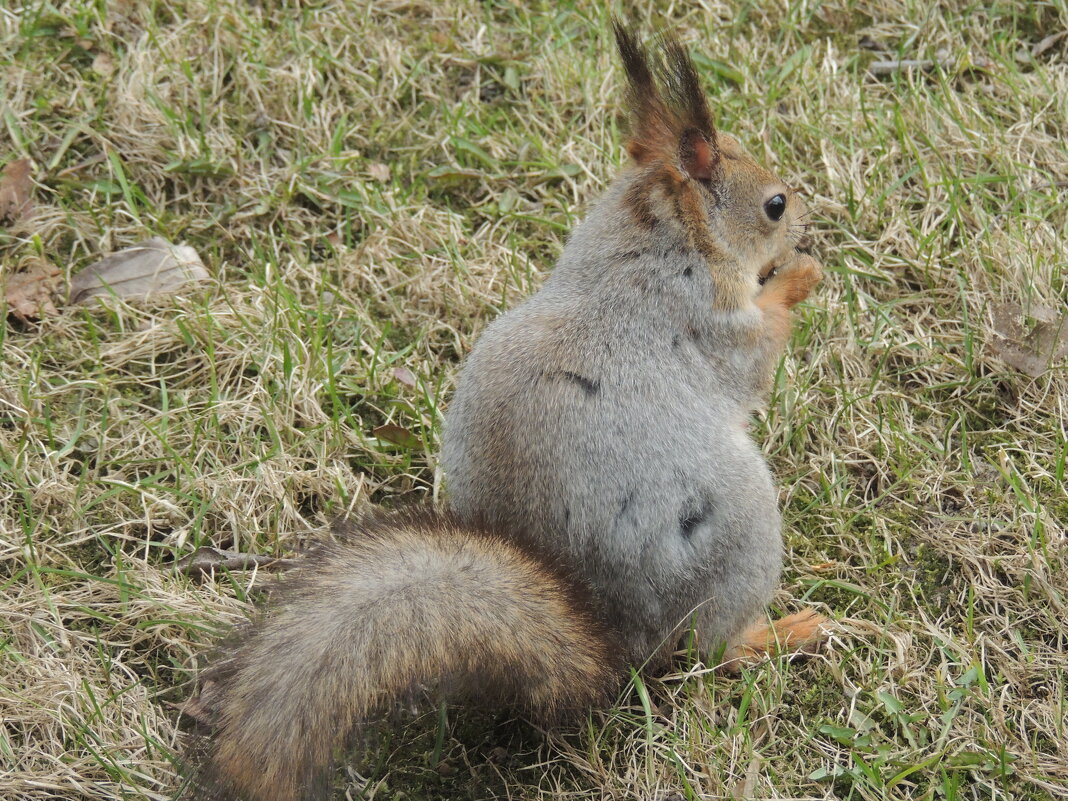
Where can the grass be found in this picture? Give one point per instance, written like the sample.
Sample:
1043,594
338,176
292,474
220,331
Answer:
370,184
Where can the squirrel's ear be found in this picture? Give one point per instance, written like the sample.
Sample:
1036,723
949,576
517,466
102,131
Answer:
699,157
671,124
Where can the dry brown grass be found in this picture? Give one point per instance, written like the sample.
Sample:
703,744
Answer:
923,476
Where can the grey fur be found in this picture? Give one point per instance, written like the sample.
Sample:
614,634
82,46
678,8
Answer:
641,474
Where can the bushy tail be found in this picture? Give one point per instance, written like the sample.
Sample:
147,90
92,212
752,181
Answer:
399,602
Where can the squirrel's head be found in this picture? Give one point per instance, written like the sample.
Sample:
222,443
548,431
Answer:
744,218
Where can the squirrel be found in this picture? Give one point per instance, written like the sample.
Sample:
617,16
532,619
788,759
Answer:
604,494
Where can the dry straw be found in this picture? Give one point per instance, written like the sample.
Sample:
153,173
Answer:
370,184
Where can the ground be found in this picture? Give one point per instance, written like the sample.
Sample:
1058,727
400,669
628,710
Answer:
370,184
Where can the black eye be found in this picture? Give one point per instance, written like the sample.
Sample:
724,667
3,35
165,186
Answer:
775,207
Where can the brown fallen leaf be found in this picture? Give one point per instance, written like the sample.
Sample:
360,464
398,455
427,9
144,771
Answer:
397,436
29,292
16,191
745,788
1047,43
405,376
206,559
1029,351
149,268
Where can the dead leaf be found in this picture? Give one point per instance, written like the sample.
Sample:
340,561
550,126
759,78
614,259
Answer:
16,191
1029,351
149,268
405,376
103,65
206,559
1047,43
746,786
379,172
397,436
29,293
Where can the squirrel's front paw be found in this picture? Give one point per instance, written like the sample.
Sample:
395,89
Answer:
791,282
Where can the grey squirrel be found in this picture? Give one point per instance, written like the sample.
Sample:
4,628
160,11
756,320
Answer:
604,495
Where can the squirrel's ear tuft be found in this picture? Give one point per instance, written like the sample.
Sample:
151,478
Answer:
698,148
649,130
670,118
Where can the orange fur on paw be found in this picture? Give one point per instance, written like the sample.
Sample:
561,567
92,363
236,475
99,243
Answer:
791,283
801,633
